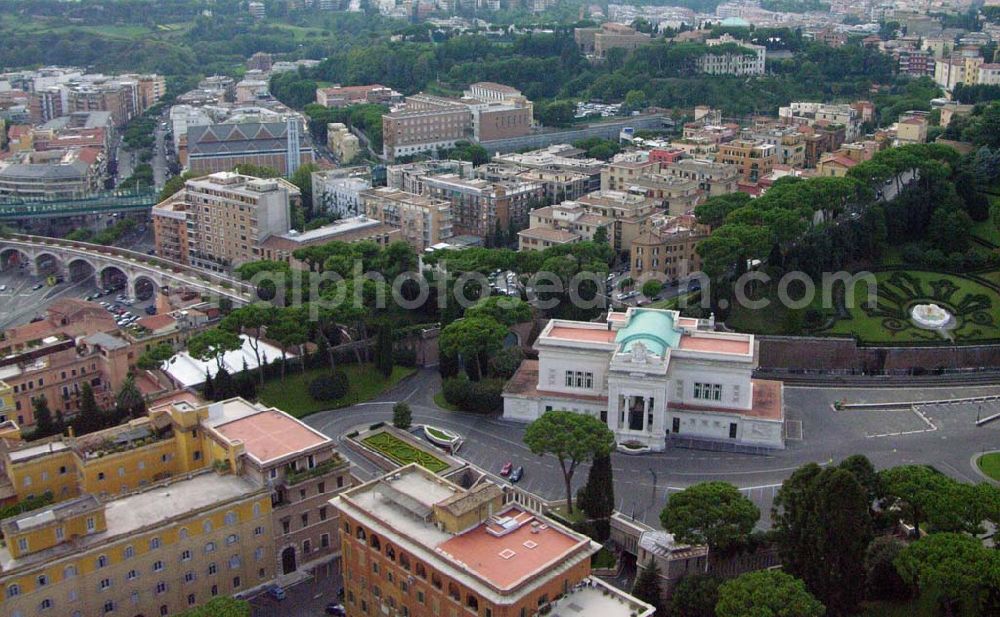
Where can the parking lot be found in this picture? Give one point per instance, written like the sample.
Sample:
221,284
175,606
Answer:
24,297
308,598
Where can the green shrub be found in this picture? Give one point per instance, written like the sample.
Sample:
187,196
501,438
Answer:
404,357
484,396
329,387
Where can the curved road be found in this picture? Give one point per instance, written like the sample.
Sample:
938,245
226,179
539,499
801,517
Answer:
945,436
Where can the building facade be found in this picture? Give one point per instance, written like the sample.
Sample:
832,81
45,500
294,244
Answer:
423,221
416,544
219,222
650,375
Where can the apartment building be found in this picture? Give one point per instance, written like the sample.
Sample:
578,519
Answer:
410,177
558,158
337,192
282,146
416,544
422,220
344,144
911,128
629,213
620,175
557,185
156,551
597,42
565,223
345,96
752,159
730,56
54,174
916,62
219,221
123,96
75,342
675,194
789,144
823,115
668,247
296,468
427,124
713,178
964,69
480,208
487,111
282,247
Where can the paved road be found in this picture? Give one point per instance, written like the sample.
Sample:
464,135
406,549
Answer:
643,482
306,599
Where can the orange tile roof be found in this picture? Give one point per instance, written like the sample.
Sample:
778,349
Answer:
715,345
588,335
270,435
508,560
156,322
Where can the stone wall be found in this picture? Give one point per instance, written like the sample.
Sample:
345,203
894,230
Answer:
845,356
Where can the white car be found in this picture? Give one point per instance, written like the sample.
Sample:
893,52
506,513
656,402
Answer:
3,288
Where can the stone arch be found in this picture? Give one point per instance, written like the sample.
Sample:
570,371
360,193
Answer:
111,276
288,564
48,264
80,269
143,287
13,257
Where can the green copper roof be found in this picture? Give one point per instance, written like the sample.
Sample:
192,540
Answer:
654,328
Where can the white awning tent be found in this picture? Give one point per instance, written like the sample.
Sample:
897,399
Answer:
189,371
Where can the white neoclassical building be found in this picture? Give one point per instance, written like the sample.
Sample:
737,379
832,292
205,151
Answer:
650,374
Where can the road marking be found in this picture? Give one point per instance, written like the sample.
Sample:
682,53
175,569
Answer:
931,426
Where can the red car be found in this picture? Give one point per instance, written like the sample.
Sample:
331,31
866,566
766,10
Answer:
506,469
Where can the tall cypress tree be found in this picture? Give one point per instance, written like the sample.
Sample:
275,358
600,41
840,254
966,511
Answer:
209,389
44,426
597,496
647,586
90,418
383,349
826,524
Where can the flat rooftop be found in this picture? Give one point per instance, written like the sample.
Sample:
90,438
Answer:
270,435
713,344
131,513
587,335
507,559
595,597
767,402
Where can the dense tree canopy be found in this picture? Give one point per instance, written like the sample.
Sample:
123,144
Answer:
712,513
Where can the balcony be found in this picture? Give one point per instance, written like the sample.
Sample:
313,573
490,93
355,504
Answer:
295,477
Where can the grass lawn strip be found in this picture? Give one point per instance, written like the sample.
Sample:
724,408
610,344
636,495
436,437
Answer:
403,453
989,464
292,394
438,434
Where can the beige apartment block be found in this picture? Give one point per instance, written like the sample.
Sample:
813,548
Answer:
566,223
219,221
753,159
423,221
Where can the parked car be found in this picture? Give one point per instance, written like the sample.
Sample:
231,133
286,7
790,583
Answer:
37,287
506,469
517,474
334,608
3,288
276,592
151,310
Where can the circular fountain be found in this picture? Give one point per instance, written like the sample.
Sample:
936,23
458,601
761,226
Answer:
931,317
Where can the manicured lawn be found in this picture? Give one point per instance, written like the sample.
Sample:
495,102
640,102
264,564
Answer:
577,517
891,323
989,464
443,404
403,453
292,394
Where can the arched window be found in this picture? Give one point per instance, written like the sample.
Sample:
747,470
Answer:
256,510
390,552
360,534
374,542
102,561
231,518
419,569
69,571
453,592
472,602
206,526
183,533
232,538
436,581
45,604
129,552
404,561
209,547
13,590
